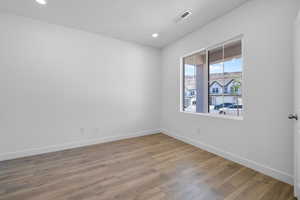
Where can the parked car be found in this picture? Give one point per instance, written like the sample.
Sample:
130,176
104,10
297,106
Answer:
236,106
232,110
223,105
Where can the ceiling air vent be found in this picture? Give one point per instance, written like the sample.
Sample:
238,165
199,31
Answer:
183,16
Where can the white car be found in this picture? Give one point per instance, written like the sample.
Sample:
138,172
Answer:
235,110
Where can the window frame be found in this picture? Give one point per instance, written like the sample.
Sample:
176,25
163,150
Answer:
182,78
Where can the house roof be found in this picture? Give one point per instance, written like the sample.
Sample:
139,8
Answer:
227,82
222,79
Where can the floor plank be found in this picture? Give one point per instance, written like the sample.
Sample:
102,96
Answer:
155,167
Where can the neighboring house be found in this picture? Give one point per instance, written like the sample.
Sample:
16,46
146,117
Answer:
215,88
230,87
228,92
223,88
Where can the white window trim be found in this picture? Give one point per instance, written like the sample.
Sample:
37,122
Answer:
214,115
211,115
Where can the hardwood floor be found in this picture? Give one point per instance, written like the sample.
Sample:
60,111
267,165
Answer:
155,167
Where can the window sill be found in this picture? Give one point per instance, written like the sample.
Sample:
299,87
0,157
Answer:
215,116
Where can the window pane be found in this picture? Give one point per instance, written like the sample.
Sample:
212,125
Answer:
216,80
233,78
195,92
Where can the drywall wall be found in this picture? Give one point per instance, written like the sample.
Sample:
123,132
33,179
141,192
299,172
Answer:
263,139
62,88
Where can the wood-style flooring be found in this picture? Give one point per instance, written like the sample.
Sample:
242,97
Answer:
155,167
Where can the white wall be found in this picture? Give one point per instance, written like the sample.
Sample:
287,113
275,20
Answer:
55,81
263,140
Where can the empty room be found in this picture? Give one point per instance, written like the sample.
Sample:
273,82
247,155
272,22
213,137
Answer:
149,99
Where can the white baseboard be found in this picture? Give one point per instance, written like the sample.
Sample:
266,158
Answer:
297,191
53,148
277,174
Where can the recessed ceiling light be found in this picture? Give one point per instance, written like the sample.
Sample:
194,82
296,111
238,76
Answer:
42,2
155,35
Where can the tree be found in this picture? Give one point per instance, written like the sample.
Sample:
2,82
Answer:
235,90
236,86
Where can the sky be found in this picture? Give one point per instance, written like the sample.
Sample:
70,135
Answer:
234,65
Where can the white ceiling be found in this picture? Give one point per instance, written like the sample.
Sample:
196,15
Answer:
131,20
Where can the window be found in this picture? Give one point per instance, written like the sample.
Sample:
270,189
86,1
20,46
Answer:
215,90
212,80
225,90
